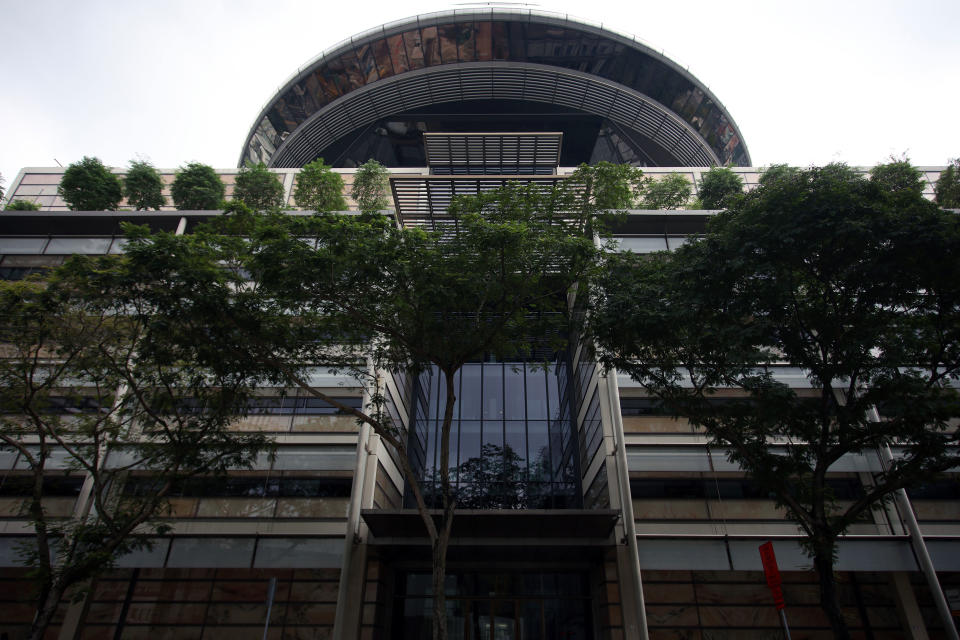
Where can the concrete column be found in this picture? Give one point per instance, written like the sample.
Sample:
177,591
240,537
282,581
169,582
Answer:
618,482
907,606
346,624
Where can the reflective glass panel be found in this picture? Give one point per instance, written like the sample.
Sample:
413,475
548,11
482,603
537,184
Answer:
22,245
493,391
642,244
63,245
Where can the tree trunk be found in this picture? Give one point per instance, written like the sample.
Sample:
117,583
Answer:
829,598
439,590
442,541
45,612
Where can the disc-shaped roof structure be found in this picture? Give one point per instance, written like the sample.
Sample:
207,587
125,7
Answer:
613,97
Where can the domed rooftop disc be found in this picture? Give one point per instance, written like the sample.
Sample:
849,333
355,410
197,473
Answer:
494,70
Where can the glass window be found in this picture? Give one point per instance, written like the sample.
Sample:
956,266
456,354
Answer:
556,410
449,33
493,391
414,48
433,437
153,557
22,245
470,432
470,392
66,245
353,73
118,245
493,438
484,45
466,39
323,553
538,441
211,552
431,47
381,51
515,444
367,63
536,394
638,244
333,458
398,54
513,392
501,41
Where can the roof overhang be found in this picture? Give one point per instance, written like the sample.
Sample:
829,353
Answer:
537,527
432,59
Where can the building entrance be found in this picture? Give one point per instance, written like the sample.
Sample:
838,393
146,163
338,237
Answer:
497,606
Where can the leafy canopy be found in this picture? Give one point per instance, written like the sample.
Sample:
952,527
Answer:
197,187
87,185
75,339
718,187
22,205
319,189
826,271
947,189
258,187
898,178
669,192
370,187
143,186
608,186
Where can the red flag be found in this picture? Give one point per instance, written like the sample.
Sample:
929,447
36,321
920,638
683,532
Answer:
772,573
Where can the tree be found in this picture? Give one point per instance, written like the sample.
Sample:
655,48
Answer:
22,205
370,292
143,186
947,189
608,186
1,187
821,269
670,192
93,378
493,480
197,187
258,187
87,185
898,177
319,189
370,187
718,186
776,172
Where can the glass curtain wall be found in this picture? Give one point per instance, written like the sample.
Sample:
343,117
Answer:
512,442
497,606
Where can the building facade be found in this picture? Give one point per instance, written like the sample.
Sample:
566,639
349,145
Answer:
616,521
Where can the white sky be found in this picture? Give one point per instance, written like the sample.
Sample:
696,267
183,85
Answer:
182,80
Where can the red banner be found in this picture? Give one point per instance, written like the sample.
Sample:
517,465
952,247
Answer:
772,572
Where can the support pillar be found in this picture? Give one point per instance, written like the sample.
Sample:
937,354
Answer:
907,606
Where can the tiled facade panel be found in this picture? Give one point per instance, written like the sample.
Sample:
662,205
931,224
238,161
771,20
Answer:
609,601
211,604
373,608
737,605
386,495
932,622
17,606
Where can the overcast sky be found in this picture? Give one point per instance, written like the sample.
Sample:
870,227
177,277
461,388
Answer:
175,81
